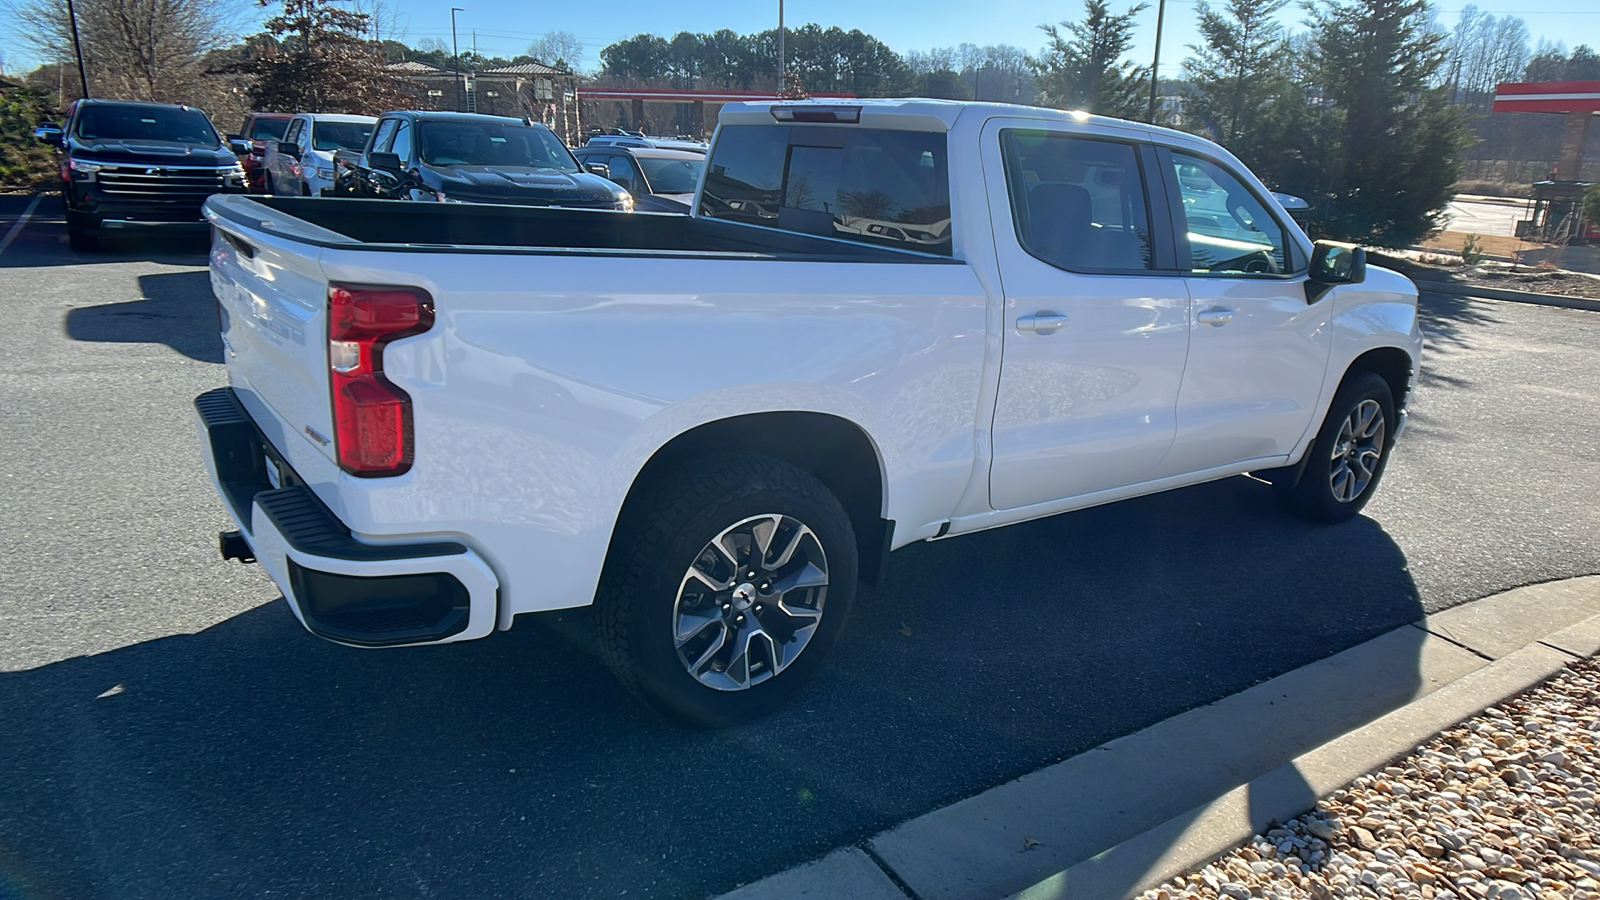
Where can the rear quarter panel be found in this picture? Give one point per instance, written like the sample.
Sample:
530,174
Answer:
548,381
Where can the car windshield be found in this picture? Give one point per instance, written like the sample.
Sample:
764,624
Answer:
672,176
340,135
268,129
494,144
146,123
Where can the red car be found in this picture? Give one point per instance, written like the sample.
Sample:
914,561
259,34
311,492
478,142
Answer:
258,129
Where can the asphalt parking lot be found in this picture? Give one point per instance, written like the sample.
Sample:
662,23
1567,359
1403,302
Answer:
168,729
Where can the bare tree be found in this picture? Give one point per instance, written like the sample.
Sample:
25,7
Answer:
561,49
137,49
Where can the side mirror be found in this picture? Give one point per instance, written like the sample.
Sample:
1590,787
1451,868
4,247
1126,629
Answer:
289,148
1334,264
238,145
49,132
384,162
601,169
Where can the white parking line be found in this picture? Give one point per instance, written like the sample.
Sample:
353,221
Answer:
21,221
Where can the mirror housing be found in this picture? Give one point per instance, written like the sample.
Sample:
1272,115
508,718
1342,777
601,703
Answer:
289,149
601,169
384,162
1333,263
238,145
49,132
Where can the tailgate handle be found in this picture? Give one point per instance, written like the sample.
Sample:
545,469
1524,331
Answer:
245,248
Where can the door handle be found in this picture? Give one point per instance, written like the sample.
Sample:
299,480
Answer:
1042,322
1217,316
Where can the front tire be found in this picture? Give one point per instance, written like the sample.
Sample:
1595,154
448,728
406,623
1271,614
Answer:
1347,459
727,584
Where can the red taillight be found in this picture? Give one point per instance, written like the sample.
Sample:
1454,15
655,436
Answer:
371,417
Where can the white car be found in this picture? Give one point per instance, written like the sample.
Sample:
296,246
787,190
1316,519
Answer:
886,321
302,163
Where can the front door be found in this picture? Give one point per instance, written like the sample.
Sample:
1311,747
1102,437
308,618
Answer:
1096,317
1258,352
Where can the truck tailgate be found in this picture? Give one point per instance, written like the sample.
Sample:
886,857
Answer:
273,297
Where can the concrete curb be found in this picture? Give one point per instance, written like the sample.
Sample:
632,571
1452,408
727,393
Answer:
1131,813
1467,290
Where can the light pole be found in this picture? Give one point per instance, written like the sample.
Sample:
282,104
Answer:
1155,65
783,83
77,47
455,54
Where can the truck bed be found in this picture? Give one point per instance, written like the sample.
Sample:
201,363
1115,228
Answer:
464,227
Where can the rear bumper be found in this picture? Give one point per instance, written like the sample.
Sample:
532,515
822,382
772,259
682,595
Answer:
340,588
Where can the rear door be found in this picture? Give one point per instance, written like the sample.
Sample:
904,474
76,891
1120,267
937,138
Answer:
1096,313
1258,352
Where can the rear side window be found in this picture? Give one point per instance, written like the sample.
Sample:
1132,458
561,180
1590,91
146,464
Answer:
1078,203
875,186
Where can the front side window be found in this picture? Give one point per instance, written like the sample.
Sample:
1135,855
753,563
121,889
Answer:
293,134
875,186
621,168
1229,228
340,135
1078,203
457,143
673,176
385,134
402,143
267,129
145,123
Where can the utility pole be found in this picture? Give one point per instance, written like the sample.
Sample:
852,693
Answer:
77,47
783,82
1155,65
455,54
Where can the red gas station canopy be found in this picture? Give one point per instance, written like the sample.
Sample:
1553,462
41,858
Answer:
1548,96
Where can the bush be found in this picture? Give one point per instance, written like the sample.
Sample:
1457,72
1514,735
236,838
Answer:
1472,250
25,162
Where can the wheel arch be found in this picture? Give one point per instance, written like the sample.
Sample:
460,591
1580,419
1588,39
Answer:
836,450
1392,364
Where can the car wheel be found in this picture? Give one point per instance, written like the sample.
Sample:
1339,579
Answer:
81,236
727,584
1347,459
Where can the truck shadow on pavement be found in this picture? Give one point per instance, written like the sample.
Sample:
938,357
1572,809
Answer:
251,758
178,310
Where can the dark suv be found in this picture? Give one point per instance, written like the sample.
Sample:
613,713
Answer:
126,163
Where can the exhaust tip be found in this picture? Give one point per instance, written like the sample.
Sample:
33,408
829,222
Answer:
234,546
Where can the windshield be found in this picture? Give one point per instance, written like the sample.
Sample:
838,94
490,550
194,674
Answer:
268,129
146,123
340,135
672,176
494,144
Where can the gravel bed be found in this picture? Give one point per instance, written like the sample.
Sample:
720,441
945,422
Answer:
1501,806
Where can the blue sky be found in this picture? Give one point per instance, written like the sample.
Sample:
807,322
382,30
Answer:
505,27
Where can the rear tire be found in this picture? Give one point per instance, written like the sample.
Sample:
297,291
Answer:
80,233
727,584
1347,459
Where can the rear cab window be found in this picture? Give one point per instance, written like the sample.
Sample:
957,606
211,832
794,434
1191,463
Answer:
874,186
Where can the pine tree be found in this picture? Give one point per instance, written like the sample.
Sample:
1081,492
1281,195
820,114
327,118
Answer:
1234,76
1085,69
321,61
1390,172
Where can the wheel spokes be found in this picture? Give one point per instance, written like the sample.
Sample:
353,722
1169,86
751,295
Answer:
750,603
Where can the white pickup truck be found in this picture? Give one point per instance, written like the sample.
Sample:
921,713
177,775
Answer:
886,322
